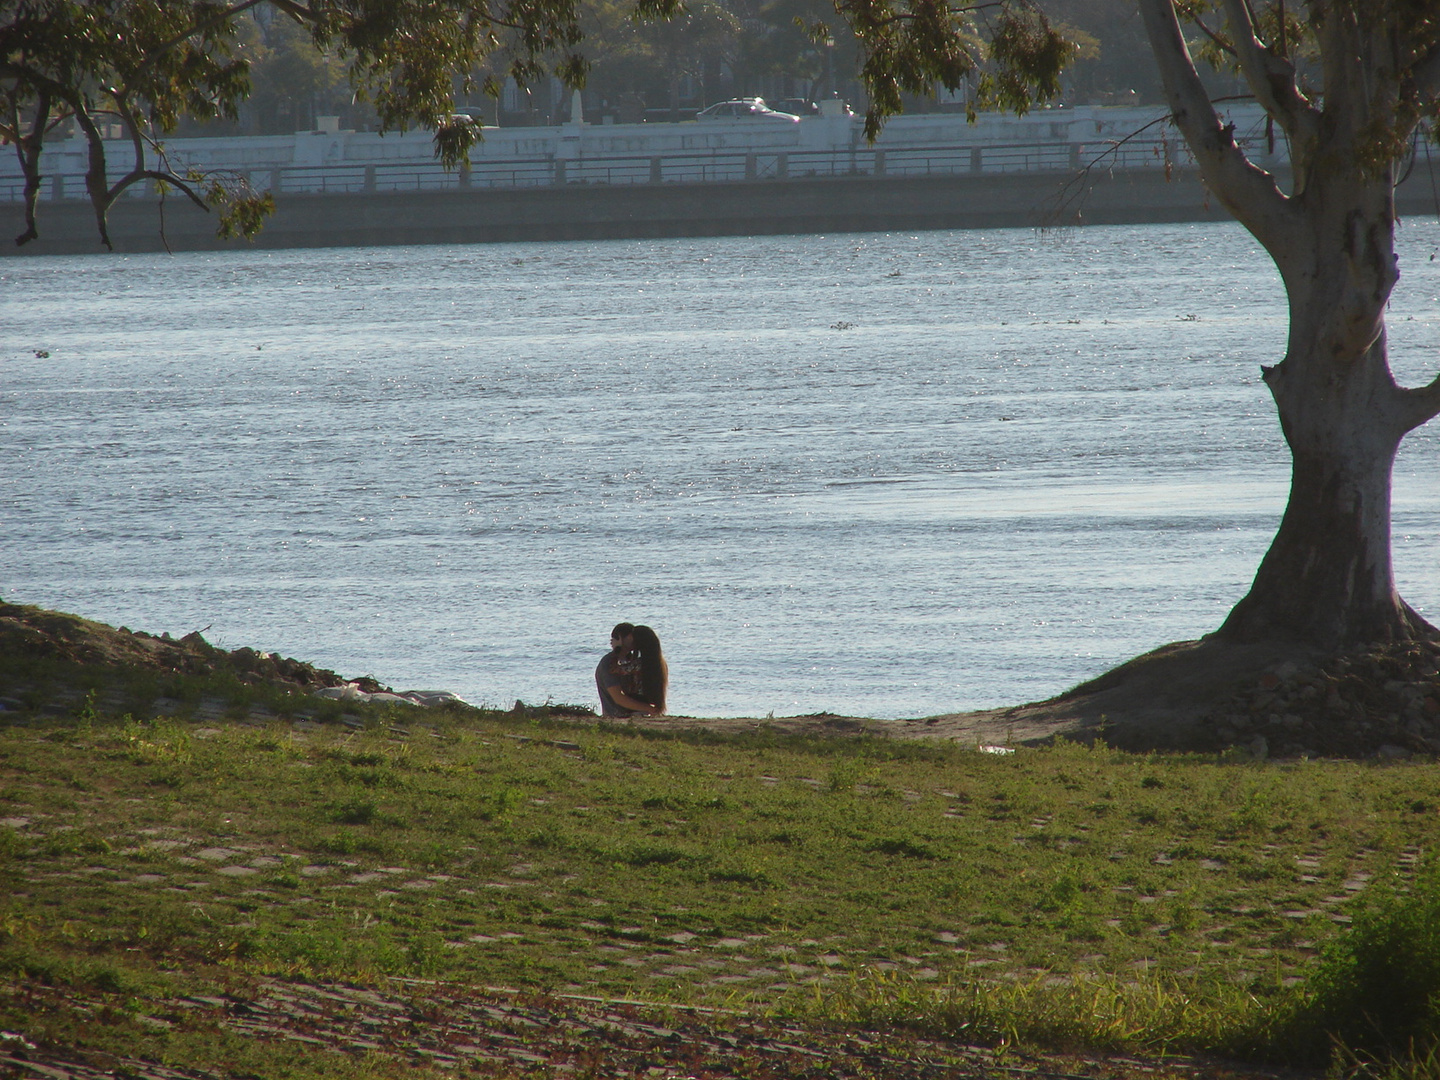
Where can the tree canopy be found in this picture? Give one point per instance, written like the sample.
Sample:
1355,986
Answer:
143,64
1011,49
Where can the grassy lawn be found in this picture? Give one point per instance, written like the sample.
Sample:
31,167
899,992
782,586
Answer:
1065,896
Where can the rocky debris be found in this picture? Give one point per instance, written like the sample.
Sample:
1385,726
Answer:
356,691
1381,703
252,666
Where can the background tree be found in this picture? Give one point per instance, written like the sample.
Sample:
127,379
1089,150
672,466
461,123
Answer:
290,79
1113,65
621,61
684,42
783,39
1010,50
143,64
656,56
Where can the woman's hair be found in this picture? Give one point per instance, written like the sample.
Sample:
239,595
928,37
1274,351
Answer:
654,672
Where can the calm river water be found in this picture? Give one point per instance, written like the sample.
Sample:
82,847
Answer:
888,475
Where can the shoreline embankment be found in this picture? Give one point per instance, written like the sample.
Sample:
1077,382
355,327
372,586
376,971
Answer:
652,211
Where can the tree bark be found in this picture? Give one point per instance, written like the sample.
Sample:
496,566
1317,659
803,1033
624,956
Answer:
1328,579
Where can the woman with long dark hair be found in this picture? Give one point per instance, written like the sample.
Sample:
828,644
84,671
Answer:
654,672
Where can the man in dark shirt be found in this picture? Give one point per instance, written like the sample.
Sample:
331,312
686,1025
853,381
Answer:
615,682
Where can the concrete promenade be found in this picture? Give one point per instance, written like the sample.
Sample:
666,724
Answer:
597,212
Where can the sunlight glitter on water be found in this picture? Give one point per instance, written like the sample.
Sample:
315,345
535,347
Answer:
1019,461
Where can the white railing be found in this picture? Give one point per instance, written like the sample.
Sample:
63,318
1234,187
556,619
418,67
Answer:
706,168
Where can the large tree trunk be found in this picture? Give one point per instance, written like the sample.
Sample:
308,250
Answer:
1327,579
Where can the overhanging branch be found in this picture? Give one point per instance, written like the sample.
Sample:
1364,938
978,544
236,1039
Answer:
1271,77
215,20
163,176
1420,405
132,125
1247,191
139,171
1072,193
1426,72
1215,39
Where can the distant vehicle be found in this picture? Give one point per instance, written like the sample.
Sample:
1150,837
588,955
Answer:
797,107
745,109
467,116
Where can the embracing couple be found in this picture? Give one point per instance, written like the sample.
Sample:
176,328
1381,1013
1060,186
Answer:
632,677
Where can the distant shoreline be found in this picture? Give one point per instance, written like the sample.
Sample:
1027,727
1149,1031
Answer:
647,211
656,211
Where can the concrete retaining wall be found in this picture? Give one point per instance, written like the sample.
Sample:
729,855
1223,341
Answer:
862,204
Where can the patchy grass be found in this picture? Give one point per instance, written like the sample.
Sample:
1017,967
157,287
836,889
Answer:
1066,897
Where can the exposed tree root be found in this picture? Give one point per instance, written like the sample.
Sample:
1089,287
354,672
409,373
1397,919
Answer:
1266,699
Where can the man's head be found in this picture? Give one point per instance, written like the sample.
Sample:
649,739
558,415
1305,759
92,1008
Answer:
623,636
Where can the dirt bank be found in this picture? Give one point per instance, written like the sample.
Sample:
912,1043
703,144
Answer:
1266,700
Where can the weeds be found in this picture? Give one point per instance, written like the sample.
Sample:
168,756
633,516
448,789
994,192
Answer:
1376,991
1146,1014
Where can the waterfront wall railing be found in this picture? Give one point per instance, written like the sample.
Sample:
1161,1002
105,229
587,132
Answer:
556,170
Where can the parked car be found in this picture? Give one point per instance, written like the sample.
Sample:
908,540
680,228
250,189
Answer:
746,109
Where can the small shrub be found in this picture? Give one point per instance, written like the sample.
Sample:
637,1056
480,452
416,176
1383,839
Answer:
683,802
741,874
75,842
435,855
284,879
547,836
498,803
846,774
1377,988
